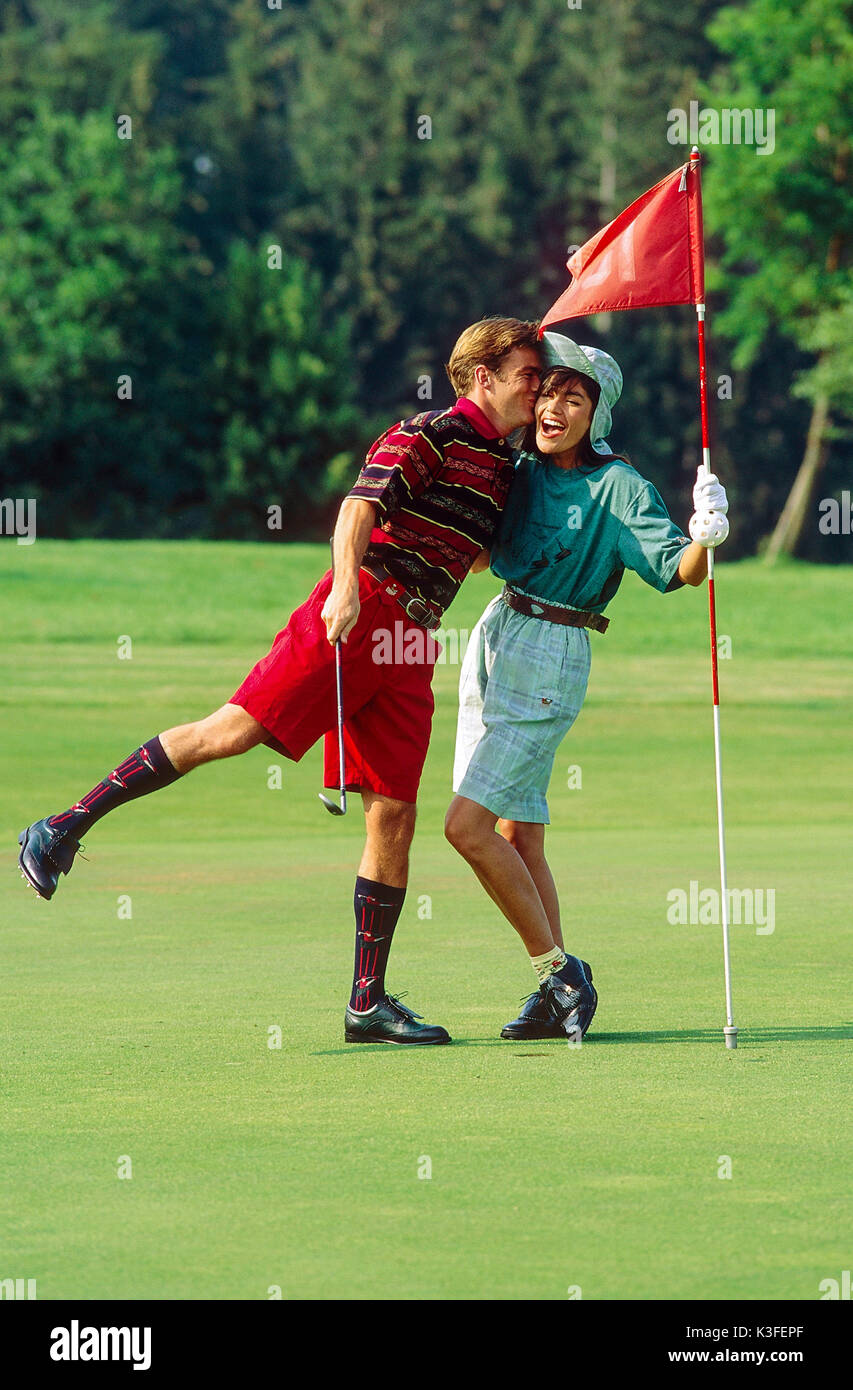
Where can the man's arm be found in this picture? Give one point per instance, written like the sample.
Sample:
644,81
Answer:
356,520
481,562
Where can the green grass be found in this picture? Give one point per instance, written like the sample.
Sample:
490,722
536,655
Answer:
298,1167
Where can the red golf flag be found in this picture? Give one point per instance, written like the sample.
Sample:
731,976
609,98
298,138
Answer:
651,254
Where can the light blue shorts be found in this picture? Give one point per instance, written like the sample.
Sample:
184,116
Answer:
521,688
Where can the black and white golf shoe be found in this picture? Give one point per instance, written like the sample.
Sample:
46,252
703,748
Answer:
45,854
536,1022
389,1021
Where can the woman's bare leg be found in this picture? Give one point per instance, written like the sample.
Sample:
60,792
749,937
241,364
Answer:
528,839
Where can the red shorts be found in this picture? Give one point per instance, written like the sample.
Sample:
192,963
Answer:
387,667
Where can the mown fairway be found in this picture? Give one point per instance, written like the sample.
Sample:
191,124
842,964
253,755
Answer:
298,1167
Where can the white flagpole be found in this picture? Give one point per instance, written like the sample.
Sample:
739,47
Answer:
730,1031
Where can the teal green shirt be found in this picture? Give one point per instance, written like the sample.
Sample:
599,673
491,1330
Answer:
567,535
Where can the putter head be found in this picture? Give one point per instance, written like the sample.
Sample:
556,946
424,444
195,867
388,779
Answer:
333,806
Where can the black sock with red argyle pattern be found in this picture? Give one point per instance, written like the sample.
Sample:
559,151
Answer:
146,770
377,908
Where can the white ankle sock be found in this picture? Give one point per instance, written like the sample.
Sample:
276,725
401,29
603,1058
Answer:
549,963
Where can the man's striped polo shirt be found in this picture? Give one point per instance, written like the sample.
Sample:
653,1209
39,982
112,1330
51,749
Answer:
440,481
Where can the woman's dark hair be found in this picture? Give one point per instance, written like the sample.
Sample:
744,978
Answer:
554,378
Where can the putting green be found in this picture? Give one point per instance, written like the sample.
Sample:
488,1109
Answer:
141,1044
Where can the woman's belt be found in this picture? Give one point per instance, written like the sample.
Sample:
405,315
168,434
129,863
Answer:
550,613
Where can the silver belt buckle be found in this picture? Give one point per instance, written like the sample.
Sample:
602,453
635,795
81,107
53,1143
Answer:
424,617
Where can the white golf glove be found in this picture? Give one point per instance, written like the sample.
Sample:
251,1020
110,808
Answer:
709,528
709,495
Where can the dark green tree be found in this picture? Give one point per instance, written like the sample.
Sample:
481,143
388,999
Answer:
280,391
786,218
96,284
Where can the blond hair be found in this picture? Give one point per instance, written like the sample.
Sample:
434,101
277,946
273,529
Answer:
488,342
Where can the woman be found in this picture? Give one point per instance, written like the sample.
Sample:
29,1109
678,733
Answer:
577,516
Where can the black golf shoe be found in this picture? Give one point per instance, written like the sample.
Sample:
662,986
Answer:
389,1021
45,854
536,1020
578,976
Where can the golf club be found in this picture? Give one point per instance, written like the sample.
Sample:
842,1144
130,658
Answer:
332,806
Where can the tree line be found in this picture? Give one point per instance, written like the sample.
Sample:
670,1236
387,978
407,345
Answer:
237,239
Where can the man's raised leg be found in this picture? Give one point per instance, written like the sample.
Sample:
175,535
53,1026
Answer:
223,734
48,846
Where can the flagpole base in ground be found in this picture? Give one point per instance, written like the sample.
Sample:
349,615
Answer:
730,1035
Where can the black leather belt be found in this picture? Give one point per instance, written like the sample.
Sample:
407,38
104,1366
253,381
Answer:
549,613
412,606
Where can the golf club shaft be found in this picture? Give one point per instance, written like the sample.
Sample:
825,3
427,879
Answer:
339,682
340,685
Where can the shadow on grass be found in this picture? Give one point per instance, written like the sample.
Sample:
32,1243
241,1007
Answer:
833,1032
791,1033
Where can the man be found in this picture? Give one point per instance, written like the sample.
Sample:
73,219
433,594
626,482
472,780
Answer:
422,513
